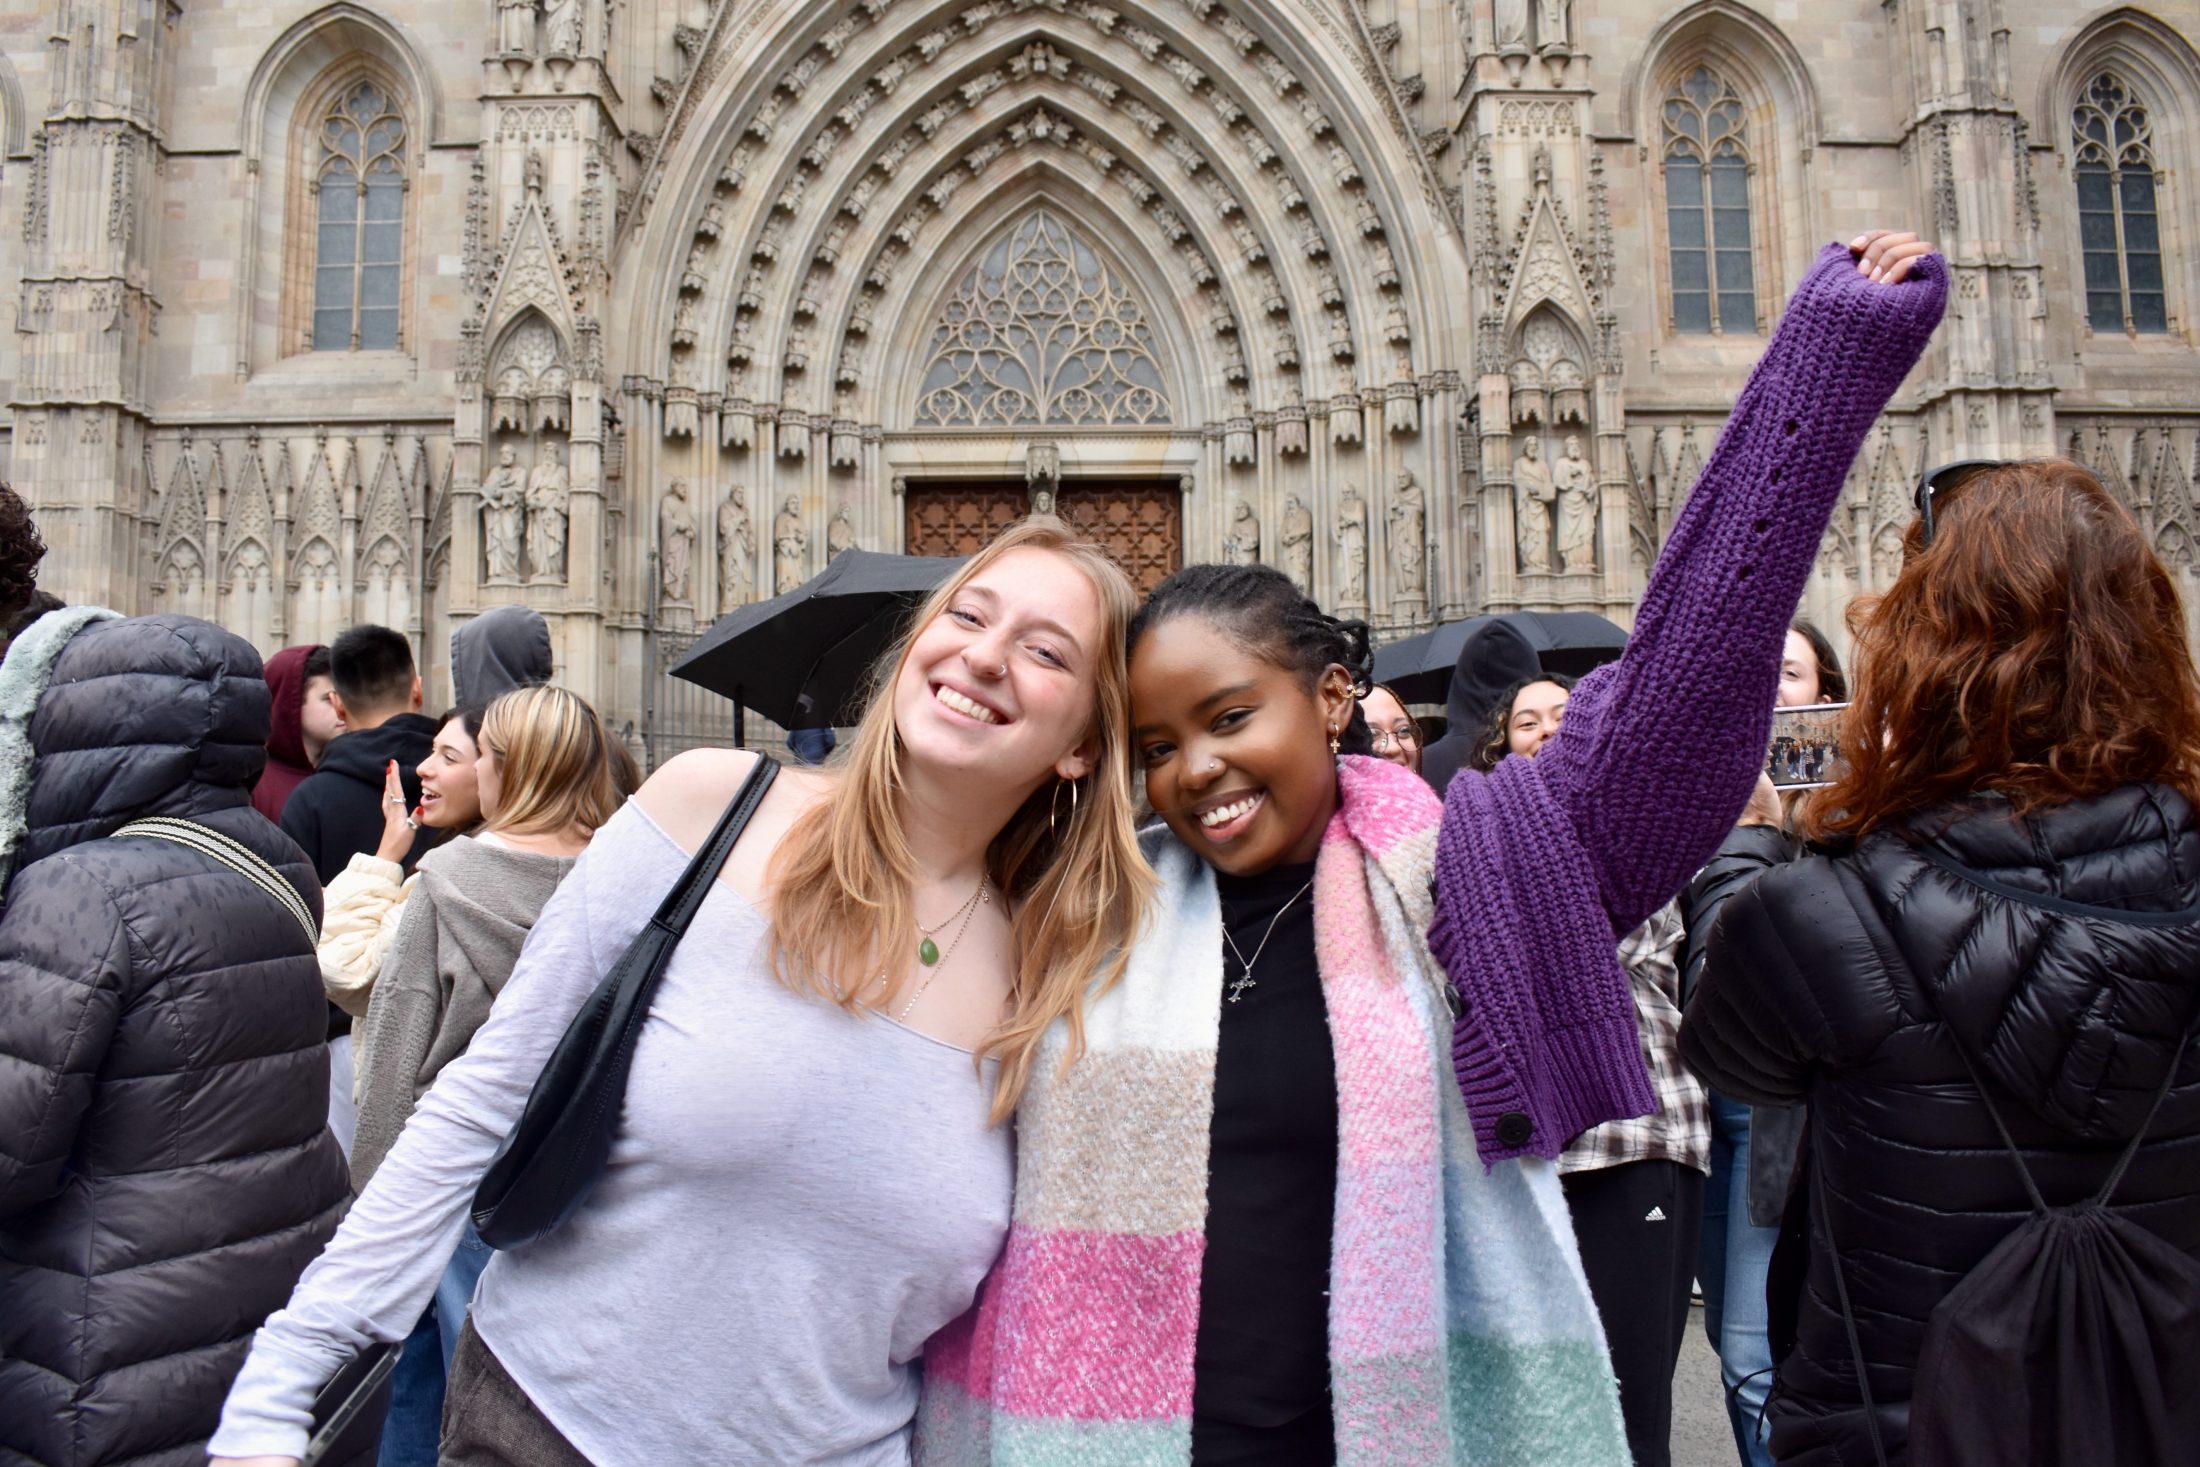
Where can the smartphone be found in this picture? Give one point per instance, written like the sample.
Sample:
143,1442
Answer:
1805,745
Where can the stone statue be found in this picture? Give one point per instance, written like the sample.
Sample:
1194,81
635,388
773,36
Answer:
1352,551
516,25
736,549
1577,510
840,534
1512,25
1241,546
562,28
1551,25
549,493
1298,544
503,516
675,542
1533,494
790,546
1409,535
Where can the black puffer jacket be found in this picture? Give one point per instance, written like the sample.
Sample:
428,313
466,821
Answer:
166,1168
1847,980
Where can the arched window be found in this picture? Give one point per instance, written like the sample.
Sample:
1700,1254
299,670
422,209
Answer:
2112,140
1707,168
359,221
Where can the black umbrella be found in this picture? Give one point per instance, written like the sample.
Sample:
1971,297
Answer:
1571,642
803,659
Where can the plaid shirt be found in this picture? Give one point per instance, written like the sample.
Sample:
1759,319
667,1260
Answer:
1680,1129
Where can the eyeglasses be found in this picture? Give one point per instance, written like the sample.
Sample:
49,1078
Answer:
1384,738
1945,479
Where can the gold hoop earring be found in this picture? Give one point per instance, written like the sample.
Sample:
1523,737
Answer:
1054,807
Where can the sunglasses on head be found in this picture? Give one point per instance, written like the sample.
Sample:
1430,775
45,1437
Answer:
1944,479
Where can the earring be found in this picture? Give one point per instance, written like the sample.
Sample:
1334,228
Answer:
1054,807
1336,744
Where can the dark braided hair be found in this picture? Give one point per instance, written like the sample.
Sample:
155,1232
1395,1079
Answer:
1262,606
20,550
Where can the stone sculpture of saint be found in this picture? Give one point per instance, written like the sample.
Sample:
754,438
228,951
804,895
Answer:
1577,510
1298,544
840,534
562,28
1409,535
675,542
516,25
503,516
1533,494
1241,546
549,494
790,546
1512,25
1551,25
1352,551
736,549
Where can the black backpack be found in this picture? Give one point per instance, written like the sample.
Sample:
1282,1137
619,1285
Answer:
2076,1340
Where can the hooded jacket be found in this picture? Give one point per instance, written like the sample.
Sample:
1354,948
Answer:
166,1169
337,813
505,647
287,764
1494,658
2062,952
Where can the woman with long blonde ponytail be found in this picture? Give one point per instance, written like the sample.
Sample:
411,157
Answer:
811,1174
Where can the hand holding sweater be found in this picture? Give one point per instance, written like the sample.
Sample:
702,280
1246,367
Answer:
1542,861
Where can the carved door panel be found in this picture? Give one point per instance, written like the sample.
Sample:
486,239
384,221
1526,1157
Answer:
1139,522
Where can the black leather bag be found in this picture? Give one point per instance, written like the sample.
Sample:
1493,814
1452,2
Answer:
563,1138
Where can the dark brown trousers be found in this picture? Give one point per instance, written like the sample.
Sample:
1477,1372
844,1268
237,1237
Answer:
488,1420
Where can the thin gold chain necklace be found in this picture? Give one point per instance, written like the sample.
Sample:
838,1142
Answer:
939,959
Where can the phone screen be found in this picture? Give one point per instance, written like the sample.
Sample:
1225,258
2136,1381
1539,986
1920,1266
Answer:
1805,746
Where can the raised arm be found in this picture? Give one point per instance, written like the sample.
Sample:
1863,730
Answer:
1660,748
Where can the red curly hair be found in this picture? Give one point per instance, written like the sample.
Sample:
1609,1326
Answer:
2036,649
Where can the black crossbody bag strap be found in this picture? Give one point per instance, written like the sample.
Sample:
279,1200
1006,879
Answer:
562,1140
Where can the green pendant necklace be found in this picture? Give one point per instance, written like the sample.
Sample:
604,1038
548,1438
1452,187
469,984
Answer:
928,951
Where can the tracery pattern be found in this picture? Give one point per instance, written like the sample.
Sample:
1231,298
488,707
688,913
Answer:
2118,223
1706,169
359,188
1042,332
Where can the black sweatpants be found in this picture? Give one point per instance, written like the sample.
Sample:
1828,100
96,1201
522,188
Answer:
1638,1227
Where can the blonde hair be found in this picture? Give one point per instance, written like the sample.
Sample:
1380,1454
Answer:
842,874
554,762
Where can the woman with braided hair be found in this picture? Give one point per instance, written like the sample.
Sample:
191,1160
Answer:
1291,1198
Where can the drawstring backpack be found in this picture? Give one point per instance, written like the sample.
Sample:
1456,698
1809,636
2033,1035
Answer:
2076,1340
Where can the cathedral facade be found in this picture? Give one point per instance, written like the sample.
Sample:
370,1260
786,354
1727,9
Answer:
637,310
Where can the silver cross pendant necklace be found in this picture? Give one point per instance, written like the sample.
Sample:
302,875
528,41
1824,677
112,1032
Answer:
1244,979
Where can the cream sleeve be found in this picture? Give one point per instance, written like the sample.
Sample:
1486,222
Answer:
359,912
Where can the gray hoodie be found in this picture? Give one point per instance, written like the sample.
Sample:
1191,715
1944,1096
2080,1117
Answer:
505,647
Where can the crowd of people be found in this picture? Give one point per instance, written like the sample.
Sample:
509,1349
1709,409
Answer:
1137,1045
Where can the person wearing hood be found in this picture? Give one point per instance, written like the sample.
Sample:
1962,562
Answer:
302,722
165,1171
1495,659
1991,968
337,812
505,647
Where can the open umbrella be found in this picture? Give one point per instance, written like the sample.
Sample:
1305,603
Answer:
803,659
1571,642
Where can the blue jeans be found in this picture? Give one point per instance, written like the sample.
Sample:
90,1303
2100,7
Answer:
414,1430
1736,1257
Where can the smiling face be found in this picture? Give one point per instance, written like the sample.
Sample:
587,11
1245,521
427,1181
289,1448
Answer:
1537,711
450,794
1799,685
1397,736
1000,683
1235,747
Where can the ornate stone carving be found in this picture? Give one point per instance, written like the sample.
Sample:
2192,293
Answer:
1409,537
1577,509
1533,495
1351,540
1241,542
675,544
790,546
503,516
840,535
549,496
736,550
1298,544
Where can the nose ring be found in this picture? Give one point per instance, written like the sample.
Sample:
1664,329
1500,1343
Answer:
1001,671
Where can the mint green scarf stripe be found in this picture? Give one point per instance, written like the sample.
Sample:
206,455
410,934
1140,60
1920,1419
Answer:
1549,1404
1022,1442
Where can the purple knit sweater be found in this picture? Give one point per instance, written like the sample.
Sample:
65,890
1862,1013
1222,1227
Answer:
1541,861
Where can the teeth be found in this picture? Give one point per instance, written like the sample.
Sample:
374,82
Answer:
1229,812
969,709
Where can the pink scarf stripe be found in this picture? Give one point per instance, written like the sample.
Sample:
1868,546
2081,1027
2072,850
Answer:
1115,1341
1380,1305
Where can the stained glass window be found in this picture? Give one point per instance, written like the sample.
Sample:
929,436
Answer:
1707,206
2119,228
359,219
1042,331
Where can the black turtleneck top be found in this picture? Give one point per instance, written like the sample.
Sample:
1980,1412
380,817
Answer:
1260,1391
